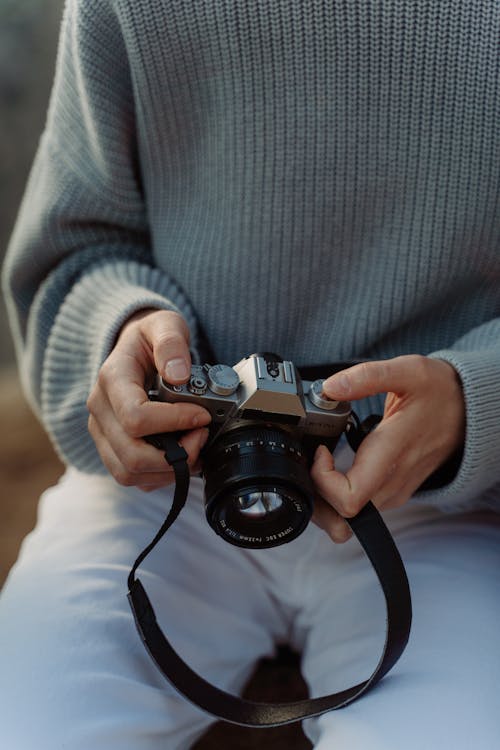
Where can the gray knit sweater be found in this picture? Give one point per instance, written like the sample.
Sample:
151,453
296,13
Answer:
317,178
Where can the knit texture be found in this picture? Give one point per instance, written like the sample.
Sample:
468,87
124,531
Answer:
315,178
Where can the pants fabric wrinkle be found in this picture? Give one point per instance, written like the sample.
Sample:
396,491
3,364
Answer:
76,675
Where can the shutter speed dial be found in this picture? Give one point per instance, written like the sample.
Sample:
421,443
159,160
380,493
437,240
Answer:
223,380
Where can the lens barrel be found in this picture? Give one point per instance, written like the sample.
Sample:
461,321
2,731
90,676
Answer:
258,490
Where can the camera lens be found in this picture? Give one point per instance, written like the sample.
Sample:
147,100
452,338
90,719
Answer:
258,491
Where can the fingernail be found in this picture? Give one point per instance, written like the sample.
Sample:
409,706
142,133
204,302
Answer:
177,369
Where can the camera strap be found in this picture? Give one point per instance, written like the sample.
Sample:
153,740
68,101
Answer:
381,551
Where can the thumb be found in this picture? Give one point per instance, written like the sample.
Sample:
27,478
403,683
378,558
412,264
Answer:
169,338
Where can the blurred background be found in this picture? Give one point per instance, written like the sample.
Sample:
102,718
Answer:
28,42
28,45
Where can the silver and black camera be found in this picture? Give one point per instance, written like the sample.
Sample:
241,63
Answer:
266,425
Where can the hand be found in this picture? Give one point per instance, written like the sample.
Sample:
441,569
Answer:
121,413
422,426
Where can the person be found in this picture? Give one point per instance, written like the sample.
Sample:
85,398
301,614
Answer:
316,179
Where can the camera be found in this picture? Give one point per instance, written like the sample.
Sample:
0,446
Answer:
266,425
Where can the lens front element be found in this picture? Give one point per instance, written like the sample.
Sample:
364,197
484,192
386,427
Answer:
258,504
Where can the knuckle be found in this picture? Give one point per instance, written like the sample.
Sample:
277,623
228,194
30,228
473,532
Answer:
420,366
91,425
94,398
379,373
133,462
180,417
106,374
349,508
172,335
91,400
171,340
365,371
132,421
123,477
173,318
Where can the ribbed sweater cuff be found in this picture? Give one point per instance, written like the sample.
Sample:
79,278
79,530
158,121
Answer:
479,373
84,334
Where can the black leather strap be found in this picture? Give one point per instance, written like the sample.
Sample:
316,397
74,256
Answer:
381,550
176,456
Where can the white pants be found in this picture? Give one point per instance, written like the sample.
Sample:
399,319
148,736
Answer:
75,675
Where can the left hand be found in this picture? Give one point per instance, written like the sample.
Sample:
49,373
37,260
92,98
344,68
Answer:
422,426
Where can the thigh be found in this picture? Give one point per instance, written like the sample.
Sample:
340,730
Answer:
443,693
74,672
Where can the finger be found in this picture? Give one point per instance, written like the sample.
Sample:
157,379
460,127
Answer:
134,462
150,417
192,442
136,455
169,336
397,375
120,388
374,463
329,520
117,468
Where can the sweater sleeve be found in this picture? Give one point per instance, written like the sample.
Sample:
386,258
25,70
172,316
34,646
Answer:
476,359
80,262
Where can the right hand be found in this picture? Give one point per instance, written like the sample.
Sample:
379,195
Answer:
121,413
